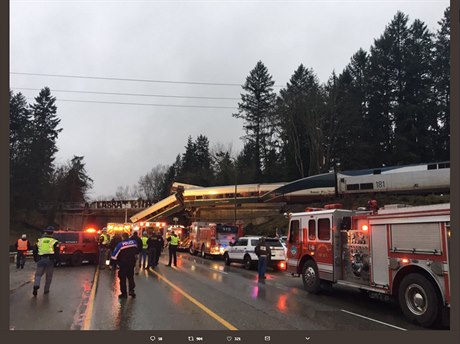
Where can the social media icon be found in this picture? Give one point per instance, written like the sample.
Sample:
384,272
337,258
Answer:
237,339
160,339
199,339
152,338
191,338
229,338
267,338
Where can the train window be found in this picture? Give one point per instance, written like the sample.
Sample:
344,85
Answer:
294,232
311,230
432,166
377,171
366,186
324,229
352,187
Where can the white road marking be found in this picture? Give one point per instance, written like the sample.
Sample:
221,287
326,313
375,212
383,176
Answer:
377,321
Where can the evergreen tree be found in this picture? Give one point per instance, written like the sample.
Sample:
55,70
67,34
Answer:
246,168
188,163
196,167
300,112
43,144
20,127
204,172
224,168
413,139
441,77
347,98
387,76
71,181
256,109
19,144
170,176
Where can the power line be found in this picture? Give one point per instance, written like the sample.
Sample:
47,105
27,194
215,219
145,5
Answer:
132,79
128,79
129,94
144,104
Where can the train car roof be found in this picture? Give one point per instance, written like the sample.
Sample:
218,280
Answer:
390,169
319,181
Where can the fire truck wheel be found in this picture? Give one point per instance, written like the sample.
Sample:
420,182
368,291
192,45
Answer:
227,259
77,258
247,262
310,277
418,300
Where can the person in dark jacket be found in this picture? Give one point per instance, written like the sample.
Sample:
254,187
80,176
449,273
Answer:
22,246
262,251
125,255
159,245
113,243
151,251
138,240
155,245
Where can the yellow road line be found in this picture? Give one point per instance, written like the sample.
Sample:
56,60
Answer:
197,303
89,310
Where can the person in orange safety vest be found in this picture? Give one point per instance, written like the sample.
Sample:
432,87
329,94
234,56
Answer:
22,246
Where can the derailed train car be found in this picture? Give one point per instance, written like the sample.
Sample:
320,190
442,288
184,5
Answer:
416,178
419,178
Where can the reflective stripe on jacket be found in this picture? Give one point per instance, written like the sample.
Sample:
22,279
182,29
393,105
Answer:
46,245
105,239
174,240
144,242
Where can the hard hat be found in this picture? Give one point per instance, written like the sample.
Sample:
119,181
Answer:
144,233
49,229
104,229
24,236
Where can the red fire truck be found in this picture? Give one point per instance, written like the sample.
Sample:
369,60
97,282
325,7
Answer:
212,238
397,250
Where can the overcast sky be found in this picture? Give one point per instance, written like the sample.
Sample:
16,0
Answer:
180,41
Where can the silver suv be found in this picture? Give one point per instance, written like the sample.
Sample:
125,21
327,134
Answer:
243,252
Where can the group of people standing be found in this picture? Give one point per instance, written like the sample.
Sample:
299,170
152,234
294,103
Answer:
131,253
128,253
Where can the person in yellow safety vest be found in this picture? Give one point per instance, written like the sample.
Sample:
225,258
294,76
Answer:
173,240
45,253
143,253
103,245
22,246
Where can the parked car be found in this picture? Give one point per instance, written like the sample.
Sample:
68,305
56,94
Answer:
284,243
243,252
77,246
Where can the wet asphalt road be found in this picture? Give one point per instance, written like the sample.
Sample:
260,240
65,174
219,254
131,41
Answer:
62,309
238,300
199,294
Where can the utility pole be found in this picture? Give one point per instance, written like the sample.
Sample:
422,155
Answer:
236,189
